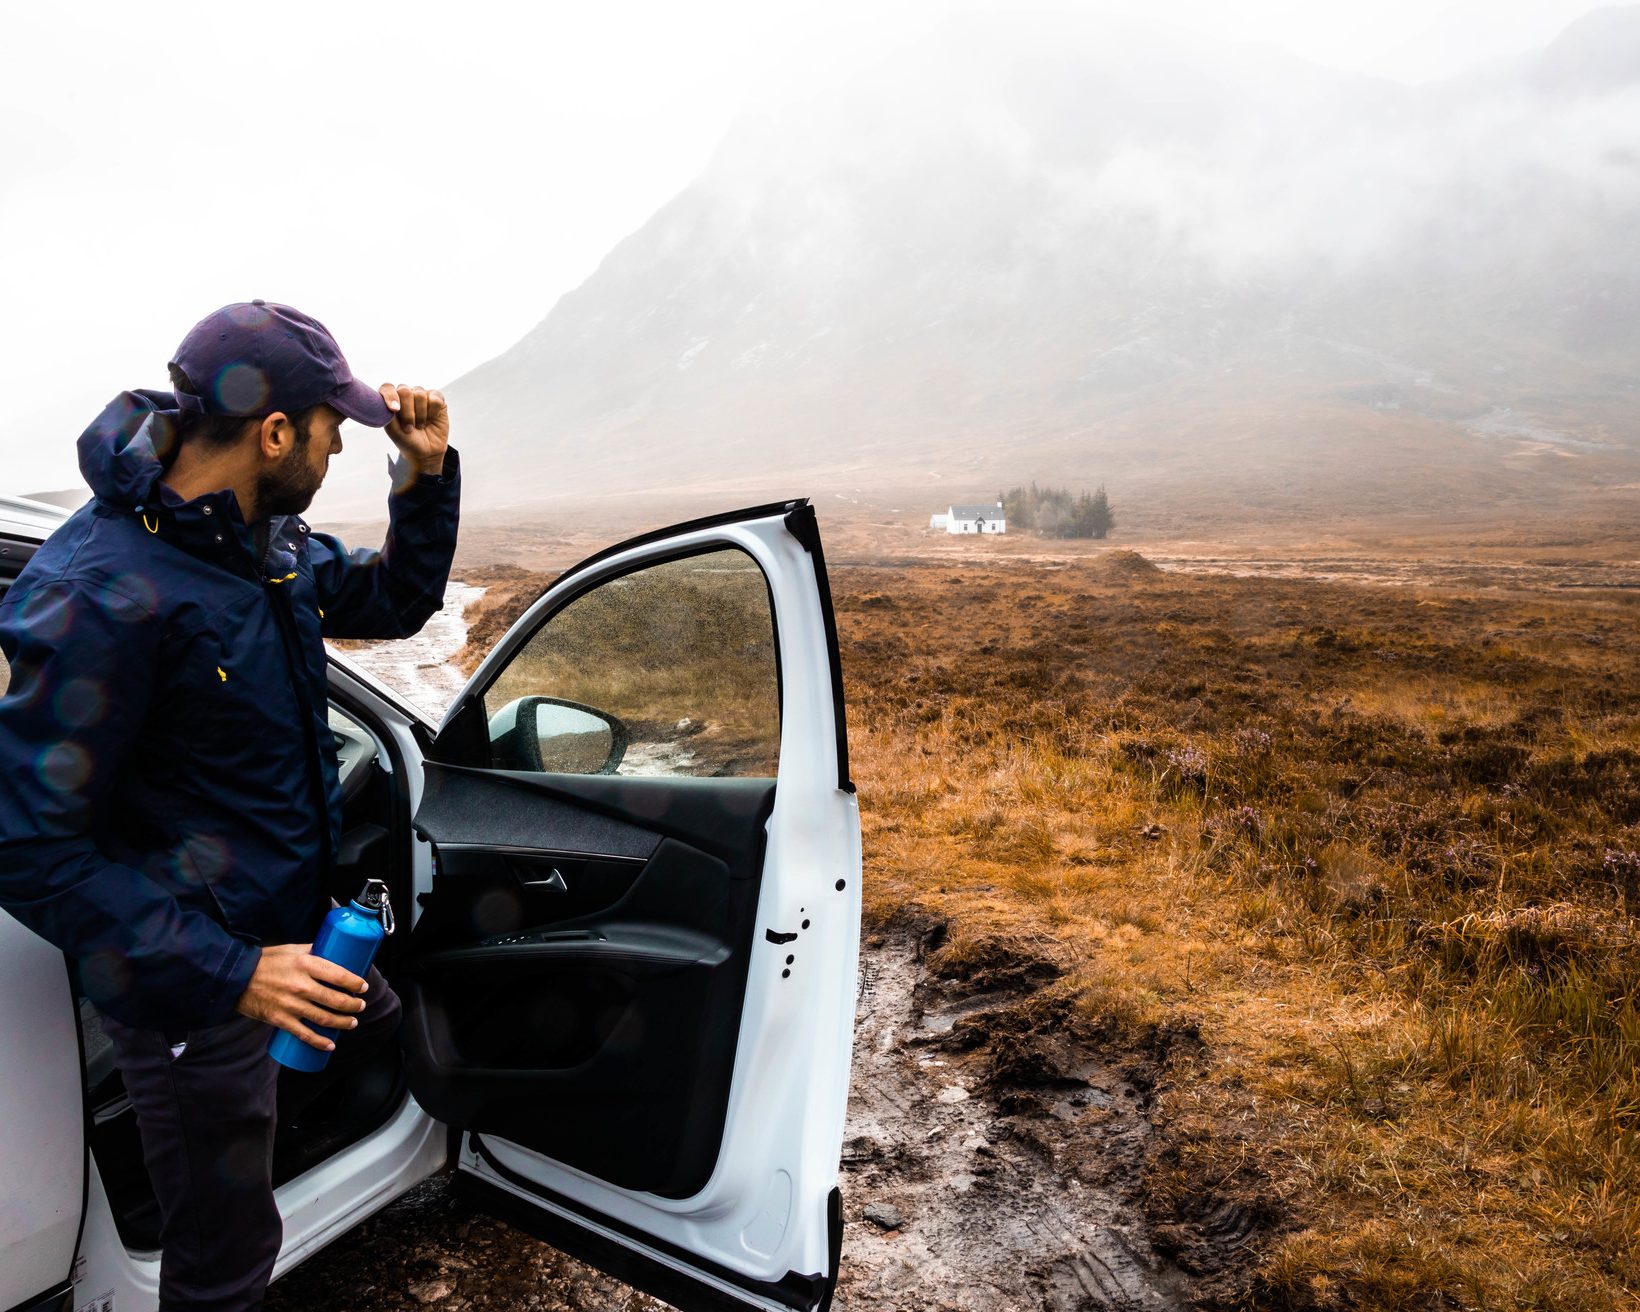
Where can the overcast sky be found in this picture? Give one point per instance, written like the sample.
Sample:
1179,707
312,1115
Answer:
429,178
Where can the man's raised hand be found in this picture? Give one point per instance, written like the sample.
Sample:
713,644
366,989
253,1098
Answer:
292,989
420,426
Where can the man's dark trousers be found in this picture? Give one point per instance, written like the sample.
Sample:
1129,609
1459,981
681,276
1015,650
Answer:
207,1118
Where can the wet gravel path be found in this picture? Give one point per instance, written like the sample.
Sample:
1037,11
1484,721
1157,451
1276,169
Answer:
418,667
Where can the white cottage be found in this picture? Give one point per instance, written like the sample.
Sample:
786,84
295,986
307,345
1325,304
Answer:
976,519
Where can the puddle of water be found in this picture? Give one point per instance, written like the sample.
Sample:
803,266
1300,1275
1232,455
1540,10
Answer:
421,668
656,759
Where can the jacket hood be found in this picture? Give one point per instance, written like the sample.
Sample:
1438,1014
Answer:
126,447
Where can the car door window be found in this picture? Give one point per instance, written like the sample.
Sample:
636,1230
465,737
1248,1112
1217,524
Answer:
668,670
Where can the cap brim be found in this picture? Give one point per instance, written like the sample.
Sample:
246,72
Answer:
361,403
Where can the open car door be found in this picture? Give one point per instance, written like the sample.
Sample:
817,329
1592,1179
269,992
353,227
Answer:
633,975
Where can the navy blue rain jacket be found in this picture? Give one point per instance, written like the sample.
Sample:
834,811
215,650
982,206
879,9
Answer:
168,782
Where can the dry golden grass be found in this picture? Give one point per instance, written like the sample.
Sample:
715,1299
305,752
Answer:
1380,854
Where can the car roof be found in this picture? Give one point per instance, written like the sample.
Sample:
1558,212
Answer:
21,517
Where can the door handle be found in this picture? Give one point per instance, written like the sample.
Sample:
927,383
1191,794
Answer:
553,879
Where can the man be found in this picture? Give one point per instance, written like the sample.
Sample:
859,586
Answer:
169,808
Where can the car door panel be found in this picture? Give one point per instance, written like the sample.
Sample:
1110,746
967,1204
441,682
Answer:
467,806
488,891
502,809
601,994
633,993
643,951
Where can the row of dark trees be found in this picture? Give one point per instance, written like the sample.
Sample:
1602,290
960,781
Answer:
1055,513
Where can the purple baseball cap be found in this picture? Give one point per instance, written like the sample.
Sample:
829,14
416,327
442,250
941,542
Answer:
256,357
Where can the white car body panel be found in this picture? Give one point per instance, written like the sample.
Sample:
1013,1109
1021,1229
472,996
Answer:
763,1213
40,1108
317,1207
28,518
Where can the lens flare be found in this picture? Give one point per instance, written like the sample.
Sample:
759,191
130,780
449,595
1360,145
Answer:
80,702
63,767
241,389
209,854
249,315
27,687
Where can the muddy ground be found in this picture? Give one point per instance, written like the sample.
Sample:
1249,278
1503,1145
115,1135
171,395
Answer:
999,1151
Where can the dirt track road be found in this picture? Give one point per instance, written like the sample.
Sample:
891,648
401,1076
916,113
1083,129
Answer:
1017,1180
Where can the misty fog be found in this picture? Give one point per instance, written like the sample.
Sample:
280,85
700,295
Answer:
1099,248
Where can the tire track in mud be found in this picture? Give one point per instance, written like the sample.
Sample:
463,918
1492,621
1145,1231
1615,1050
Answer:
998,1208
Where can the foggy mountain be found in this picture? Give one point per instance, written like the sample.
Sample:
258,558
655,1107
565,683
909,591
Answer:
1096,250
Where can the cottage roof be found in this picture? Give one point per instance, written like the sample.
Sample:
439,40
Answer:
992,511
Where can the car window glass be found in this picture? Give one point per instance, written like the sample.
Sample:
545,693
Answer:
669,670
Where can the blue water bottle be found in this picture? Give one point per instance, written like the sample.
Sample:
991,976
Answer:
349,937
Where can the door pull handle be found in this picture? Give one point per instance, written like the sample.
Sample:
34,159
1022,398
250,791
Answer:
554,880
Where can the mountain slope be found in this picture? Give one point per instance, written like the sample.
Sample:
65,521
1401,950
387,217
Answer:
1095,250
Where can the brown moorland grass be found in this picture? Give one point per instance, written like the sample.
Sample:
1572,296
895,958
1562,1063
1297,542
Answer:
1379,848
1375,852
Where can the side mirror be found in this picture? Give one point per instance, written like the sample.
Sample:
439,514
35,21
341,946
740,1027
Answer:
550,735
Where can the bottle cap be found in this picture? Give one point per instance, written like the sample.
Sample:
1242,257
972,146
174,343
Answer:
373,897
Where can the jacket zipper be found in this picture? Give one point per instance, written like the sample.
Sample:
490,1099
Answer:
298,684
264,530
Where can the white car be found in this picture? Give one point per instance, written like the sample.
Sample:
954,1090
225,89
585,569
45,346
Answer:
627,943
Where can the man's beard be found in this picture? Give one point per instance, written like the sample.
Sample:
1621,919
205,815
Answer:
288,487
